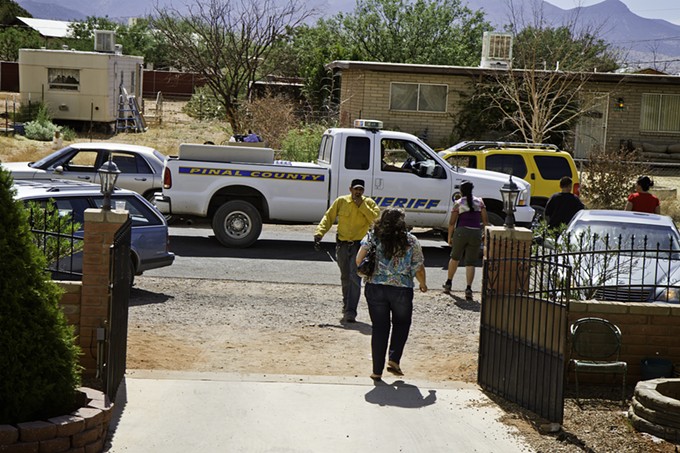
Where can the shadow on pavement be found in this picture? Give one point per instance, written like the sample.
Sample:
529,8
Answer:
144,297
400,394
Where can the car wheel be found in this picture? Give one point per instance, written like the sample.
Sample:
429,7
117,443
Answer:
237,224
495,219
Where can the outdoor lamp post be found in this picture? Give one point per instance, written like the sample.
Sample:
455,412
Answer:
108,174
509,194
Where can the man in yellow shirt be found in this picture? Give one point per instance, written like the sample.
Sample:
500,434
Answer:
355,214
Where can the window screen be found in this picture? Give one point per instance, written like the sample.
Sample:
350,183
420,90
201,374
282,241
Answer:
418,97
660,113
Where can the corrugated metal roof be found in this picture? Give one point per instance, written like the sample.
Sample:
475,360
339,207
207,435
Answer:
48,28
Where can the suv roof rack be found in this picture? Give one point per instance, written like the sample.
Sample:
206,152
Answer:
481,145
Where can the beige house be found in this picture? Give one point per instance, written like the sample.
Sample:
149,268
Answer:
76,85
426,100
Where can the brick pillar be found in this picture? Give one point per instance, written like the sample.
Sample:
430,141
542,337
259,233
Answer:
507,277
100,228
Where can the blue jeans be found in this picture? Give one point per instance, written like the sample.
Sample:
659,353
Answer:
346,254
383,301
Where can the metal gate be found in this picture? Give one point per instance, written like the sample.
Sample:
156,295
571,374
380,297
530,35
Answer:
523,328
116,341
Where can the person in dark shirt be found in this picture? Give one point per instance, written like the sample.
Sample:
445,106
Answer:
562,206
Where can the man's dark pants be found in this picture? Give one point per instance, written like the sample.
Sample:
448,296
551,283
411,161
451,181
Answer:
346,253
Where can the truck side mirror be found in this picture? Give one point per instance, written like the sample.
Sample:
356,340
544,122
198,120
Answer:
438,172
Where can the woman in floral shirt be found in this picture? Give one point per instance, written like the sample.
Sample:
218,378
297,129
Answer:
389,291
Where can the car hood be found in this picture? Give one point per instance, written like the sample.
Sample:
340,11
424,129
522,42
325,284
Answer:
21,170
501,178
628,278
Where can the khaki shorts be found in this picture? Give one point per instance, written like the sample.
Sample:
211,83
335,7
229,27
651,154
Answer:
466,242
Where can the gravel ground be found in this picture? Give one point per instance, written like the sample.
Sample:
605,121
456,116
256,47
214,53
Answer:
265,328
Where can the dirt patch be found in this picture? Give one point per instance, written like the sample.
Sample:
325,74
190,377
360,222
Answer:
207,325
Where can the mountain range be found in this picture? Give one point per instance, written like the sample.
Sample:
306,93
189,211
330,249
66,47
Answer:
644,42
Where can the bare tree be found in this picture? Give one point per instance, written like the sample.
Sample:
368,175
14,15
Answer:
229,43
541,93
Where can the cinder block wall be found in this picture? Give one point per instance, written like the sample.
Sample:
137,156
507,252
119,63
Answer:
647,330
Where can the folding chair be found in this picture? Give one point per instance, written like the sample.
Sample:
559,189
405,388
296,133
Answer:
595,346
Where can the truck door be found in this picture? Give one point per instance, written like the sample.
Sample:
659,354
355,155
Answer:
409,177
354,163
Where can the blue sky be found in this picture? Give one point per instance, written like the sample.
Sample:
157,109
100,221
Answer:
652,9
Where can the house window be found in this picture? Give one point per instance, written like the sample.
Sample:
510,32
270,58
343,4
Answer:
418,97
63,79
660,113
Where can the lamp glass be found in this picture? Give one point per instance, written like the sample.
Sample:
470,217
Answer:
108,175
509,194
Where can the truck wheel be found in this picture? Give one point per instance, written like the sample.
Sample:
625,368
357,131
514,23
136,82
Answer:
495,219
237,224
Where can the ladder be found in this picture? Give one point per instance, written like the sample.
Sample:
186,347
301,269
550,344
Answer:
129,114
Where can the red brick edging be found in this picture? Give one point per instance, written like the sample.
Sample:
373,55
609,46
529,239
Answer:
82,431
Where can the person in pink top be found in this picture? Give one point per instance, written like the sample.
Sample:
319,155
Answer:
468,218
642,200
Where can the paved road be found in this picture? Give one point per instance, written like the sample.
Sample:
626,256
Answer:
282,254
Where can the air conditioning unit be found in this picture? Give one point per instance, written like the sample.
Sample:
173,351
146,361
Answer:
104,40
496,50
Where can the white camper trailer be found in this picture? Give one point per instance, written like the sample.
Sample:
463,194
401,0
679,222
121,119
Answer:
76,85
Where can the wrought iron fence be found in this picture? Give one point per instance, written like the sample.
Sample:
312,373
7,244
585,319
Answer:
60,239
610,267
523,327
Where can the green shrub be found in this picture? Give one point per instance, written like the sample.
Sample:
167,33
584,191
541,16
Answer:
203,105
68,134
40,371
28,112
302,145
42,127
40,131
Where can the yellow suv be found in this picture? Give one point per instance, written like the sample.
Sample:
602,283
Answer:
540,164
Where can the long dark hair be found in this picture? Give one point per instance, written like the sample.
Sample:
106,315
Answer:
466,190
645,182
390,229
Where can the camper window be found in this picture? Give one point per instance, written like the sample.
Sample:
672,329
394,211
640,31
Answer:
63,79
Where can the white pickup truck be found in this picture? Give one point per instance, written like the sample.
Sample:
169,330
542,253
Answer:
241,188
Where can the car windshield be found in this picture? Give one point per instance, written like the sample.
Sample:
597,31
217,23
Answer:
49,158
624,235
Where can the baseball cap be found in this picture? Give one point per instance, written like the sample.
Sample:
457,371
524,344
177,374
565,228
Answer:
357,183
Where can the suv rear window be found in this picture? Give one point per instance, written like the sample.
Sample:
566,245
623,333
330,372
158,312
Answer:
508,164
553,167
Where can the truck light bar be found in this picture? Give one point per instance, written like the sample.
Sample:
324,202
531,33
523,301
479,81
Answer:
368,124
